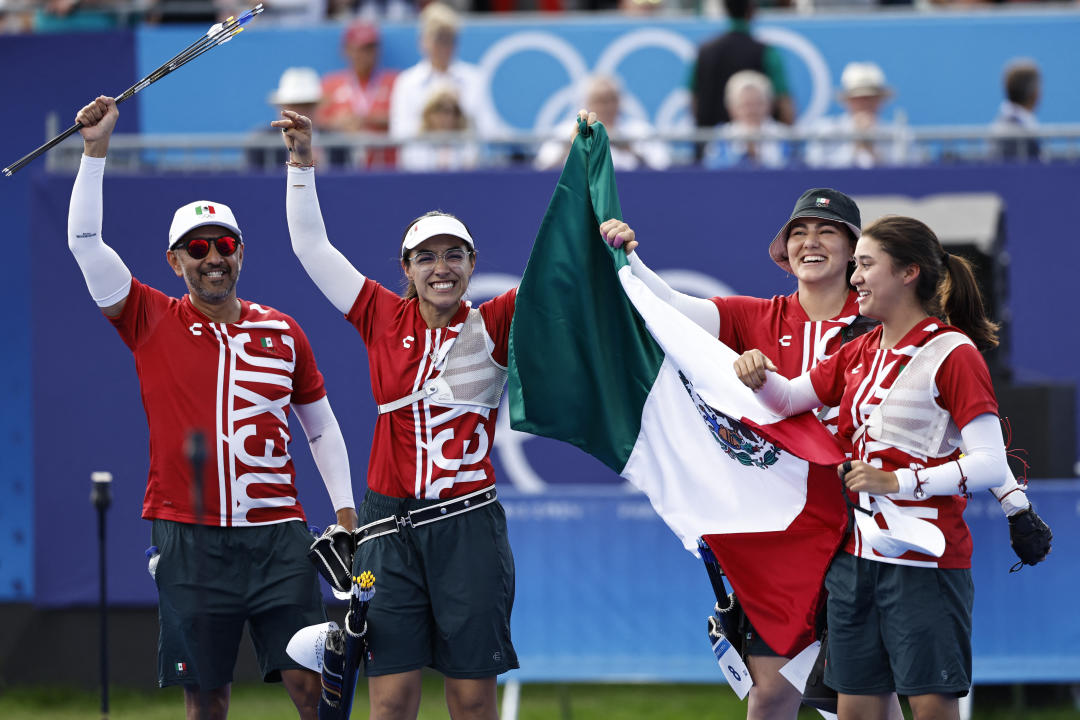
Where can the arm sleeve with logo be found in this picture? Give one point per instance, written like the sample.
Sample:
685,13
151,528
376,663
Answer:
107,277
335,276
328,450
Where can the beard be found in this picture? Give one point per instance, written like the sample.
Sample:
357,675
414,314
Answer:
212,293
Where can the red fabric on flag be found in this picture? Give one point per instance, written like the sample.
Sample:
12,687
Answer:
779,576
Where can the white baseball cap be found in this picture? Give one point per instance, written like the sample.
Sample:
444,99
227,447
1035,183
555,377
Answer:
198,214
431,226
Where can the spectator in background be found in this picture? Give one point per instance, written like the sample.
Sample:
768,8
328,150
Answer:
1023,88
438,41
298,90
192,11
442,114
752,138
723,56
632,143
357,99
864,93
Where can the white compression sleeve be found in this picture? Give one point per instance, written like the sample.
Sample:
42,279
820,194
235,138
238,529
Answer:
107,277
981,467
339,281
1011,495
701,310
788,397
328,450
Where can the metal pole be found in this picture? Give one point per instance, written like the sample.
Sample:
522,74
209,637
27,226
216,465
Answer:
101,497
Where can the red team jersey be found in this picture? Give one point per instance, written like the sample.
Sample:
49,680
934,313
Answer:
232,381
856,377
425,450
780,328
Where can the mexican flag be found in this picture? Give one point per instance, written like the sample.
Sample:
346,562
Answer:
597,360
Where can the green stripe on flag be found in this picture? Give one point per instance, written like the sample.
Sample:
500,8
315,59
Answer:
582,362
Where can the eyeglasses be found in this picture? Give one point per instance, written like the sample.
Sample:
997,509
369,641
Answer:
454,257
199,247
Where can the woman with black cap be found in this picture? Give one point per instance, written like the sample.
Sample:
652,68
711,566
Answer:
432,531
797,332
913,393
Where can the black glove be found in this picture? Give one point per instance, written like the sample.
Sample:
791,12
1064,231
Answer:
332,554
1030,537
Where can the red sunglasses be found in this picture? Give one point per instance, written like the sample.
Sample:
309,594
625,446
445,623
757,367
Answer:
199,247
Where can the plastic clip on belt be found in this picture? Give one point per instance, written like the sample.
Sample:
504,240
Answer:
430,514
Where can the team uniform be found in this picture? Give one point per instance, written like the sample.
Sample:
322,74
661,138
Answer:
446,588
781,329
234,382
903,623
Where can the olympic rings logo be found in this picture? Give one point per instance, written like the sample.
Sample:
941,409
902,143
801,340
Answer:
673,111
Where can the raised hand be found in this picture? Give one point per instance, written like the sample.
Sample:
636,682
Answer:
98,120
296,132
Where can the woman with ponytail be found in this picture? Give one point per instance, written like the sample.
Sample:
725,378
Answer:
914,395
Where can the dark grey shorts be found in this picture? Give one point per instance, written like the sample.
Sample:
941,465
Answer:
211,580
443,591
898,628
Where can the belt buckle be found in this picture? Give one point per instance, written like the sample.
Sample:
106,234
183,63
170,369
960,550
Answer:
403,521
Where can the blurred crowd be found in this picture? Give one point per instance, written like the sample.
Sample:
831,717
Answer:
431,116
51,15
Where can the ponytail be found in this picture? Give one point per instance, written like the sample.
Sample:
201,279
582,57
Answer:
963,303
946,287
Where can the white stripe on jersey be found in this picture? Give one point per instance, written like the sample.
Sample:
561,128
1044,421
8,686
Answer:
223,509
421,376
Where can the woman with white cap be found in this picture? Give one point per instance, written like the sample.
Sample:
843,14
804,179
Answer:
797,331
913,393
432,531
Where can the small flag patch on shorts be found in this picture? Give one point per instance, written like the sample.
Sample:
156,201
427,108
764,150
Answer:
266,342
181,667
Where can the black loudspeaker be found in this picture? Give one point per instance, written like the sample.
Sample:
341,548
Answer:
1043,422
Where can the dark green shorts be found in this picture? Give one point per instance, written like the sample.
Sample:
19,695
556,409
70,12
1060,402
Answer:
898,628
443,591
211,580
755,644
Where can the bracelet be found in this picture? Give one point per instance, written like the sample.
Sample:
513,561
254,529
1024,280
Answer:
290,163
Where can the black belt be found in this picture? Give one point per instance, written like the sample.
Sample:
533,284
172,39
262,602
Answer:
423,516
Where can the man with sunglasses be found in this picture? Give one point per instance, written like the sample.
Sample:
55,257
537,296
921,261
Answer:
229,369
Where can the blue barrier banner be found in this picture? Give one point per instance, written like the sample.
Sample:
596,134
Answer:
707,232
50,75
605,591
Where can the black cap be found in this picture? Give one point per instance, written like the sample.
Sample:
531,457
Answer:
823,203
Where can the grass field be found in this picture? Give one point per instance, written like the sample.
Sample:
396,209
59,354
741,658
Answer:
538,702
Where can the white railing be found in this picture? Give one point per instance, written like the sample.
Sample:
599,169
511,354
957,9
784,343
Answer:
254,152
